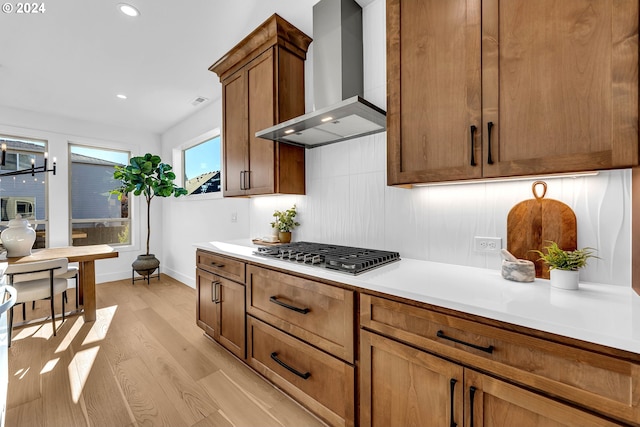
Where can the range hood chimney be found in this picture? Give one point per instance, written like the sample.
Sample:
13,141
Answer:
340,112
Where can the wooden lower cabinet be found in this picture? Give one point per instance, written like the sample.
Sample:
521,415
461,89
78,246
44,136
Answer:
220,310
404,386
322,383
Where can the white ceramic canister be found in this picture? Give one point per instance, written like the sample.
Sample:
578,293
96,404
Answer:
18,238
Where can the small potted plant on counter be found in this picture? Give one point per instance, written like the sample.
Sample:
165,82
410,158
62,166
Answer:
284,223
564,265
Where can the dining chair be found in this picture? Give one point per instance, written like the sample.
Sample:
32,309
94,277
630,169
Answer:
36,281
72,273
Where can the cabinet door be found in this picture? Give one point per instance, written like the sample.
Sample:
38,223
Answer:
261,101
560,82
495,403
403,386
234,138
231,310
434,82
206,311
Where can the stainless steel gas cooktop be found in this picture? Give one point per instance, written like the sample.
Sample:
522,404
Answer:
334,257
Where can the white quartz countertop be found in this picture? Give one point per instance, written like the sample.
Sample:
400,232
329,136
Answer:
603,314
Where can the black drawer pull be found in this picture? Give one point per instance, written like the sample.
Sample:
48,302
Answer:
275,300
489,157
453,382
213,264
472,395
304,376
489,349
473,137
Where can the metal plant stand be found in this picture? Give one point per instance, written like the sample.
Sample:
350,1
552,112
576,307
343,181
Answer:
146,277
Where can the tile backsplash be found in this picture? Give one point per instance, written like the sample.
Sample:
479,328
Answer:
348,202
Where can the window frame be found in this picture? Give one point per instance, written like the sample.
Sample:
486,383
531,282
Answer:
72,221
178,164
33,222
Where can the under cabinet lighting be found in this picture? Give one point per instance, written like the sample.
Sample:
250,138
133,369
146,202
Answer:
326,119
121,96
289,131
508,179
128,10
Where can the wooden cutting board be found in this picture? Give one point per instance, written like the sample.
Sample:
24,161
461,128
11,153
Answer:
534,222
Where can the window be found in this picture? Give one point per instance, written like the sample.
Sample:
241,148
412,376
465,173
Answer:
97,216
201,166
24,194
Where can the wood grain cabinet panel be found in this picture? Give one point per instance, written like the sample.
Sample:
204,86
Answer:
406,387
221,265
598,382
319,381
510,88
320,314
262,85
220,302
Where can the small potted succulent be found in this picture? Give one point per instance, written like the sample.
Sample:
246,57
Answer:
564,265
284,222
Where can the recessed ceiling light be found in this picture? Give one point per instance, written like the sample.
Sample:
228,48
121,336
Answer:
121,96
128,10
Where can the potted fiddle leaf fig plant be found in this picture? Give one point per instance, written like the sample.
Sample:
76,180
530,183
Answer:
564,265
284,222
146,176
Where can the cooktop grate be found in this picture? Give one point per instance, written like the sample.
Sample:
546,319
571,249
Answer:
334,257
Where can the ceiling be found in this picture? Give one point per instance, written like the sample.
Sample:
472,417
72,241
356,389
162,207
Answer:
73,59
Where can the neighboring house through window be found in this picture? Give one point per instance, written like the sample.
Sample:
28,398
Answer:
97,216
201,166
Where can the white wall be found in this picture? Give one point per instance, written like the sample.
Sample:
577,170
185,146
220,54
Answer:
59,132
191,219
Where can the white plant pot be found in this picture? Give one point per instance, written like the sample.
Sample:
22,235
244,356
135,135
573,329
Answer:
18,238
564,279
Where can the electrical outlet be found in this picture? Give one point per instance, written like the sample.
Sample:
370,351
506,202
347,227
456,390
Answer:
487,244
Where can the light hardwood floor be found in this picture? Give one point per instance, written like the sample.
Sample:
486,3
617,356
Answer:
143,362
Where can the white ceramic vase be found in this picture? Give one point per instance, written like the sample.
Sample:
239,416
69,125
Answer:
564,279
18,238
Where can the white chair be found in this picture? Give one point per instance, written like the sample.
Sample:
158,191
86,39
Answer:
38,280
72,273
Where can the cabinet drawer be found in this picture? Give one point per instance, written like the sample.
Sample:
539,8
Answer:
322,383
221,265
596,381
320,314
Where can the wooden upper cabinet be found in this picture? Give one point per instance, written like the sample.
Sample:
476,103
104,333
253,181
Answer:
433,81
550,87
262,85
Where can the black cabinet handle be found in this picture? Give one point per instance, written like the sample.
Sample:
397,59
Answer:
304,376
488,349
473,137
215,292
472,395
274,299
217,265
489,158
453,387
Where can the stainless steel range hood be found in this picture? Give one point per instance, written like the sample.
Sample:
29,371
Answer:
341,113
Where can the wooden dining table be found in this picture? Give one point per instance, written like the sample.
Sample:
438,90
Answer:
85,256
